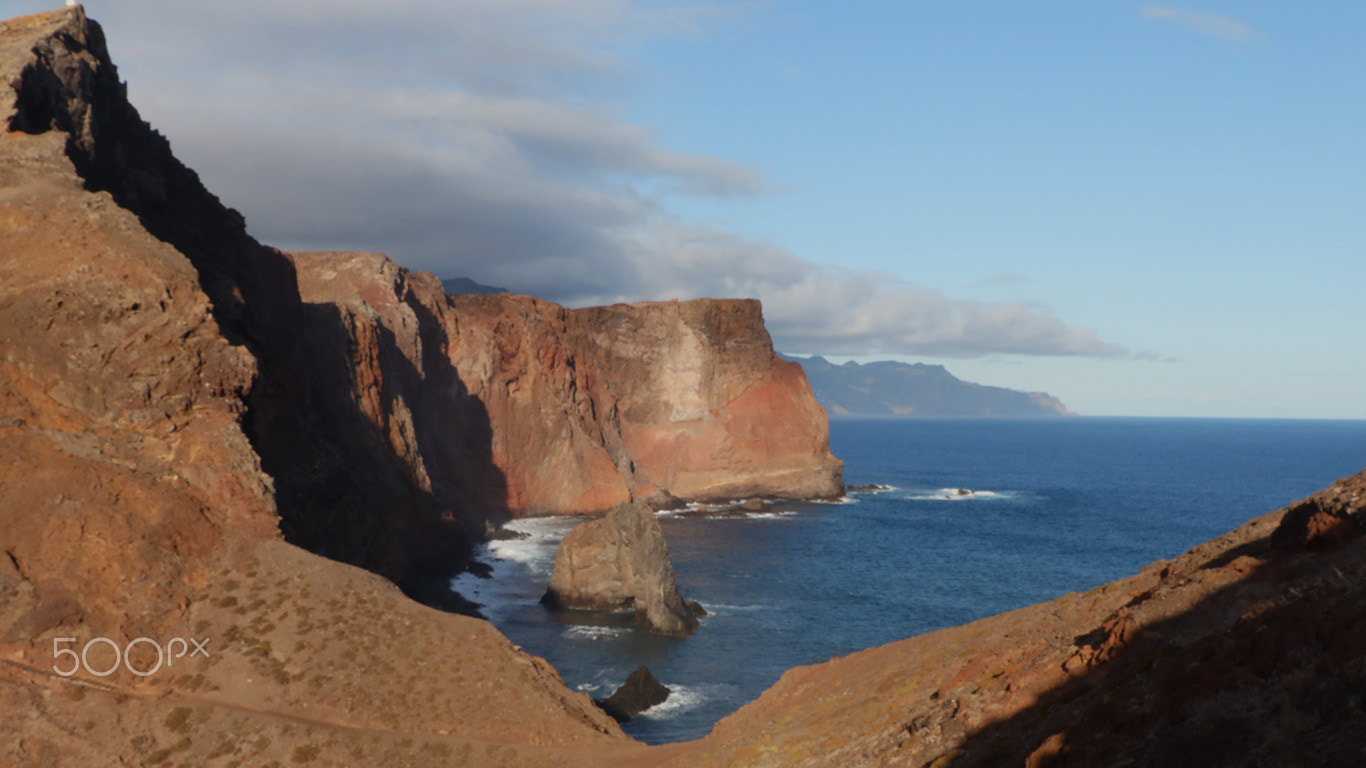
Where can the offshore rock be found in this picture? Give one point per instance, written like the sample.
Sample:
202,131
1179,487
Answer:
621,562
640,692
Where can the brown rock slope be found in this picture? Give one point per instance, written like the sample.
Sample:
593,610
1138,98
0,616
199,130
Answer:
339,486
1247,650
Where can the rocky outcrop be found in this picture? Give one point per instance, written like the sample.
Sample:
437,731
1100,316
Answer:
656,401
514,405
640,692
621,562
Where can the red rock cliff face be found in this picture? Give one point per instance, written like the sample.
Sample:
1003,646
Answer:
532,408
705,408
681,399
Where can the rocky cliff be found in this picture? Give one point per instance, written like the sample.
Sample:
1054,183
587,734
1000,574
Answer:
167,417
139,516
339,486
394,422
520,406
685,400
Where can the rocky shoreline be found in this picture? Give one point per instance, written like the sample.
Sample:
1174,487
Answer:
208,443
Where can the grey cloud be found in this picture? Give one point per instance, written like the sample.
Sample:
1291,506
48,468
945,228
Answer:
477,138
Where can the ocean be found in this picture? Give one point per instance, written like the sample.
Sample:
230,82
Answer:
982,516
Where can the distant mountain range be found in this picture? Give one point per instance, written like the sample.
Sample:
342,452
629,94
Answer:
466,285
905,389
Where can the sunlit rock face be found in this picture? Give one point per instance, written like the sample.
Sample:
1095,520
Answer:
661,401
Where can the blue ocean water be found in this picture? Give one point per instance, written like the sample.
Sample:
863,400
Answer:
1055,505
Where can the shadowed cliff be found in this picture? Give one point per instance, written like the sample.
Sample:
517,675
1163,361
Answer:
341,488
135,514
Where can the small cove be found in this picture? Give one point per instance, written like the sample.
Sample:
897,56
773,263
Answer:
1056,505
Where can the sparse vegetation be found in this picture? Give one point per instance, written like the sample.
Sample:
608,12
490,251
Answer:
179,719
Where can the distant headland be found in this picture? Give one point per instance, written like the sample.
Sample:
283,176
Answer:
888,388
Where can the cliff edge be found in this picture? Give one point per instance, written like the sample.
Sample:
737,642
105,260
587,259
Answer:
520,406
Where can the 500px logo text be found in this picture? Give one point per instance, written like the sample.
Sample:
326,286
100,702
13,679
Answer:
122,656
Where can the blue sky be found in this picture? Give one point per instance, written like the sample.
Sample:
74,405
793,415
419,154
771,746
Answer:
1144,209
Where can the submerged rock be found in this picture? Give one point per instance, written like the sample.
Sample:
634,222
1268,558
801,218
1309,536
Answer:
621,562
640,692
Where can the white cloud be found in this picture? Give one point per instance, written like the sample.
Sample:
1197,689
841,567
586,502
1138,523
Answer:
486,138
1204,23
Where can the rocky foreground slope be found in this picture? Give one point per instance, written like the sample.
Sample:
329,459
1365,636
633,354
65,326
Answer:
168,420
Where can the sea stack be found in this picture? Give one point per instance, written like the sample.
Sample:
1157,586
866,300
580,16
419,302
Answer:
640,692
620,562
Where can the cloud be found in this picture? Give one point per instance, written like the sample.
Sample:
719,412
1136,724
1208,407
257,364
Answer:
1204,23
489,139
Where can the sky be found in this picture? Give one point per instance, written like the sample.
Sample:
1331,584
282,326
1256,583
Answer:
1140,208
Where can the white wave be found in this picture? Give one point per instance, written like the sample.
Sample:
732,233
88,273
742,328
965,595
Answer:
587,687
681,699
594,633
846,499
518,567
535,550
721,608
961,494
495,595
768,515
